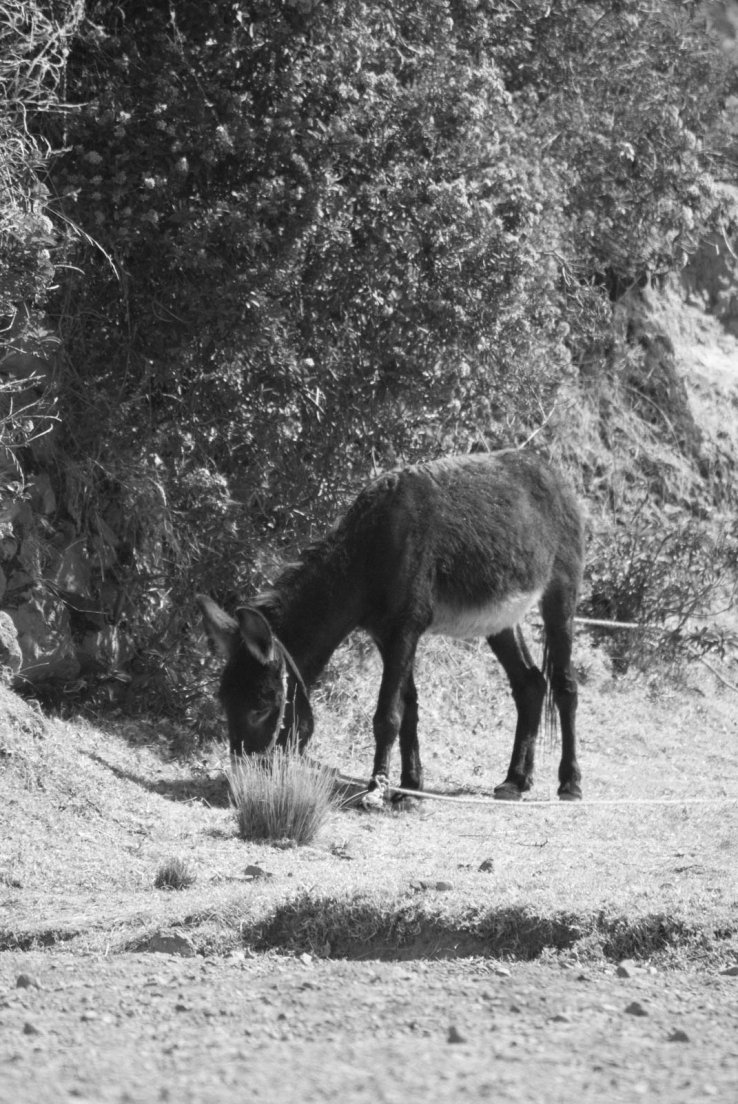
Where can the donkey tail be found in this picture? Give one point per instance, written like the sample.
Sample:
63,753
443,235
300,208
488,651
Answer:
550,715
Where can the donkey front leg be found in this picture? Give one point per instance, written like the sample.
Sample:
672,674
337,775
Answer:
397,714
411,777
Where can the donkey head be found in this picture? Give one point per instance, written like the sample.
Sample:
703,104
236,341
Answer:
258,691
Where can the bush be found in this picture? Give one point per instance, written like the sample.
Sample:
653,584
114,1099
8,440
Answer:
662,574
285,796
34,42
342,235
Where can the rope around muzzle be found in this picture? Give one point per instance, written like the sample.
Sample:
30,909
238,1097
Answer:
287,664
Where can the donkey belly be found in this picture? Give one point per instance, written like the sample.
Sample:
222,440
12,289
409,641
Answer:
487,619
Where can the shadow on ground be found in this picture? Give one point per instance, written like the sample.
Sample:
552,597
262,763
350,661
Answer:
199,786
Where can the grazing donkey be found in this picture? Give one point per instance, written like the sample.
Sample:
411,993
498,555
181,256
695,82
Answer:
463,546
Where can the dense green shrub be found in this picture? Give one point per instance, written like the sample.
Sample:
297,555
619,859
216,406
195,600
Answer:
349,232
665,574
319,237
34,40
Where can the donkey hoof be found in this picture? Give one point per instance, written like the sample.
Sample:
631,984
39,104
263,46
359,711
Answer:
570,791
507,791
376,793
405,803
372,801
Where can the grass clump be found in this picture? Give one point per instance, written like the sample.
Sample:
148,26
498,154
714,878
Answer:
174,873
285,796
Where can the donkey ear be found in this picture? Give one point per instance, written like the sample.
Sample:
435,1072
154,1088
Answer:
220,627
256,634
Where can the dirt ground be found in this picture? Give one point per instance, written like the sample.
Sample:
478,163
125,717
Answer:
140,1028
467,952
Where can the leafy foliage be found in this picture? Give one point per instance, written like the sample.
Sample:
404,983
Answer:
314,238
663,573
34,40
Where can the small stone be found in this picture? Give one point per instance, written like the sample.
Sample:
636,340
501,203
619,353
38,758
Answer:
30,1029
560,1017
635,1008
455,1036
487,866
678,1036
255,872
502,971
88,1017
27,981
306,959
626,969
428,883
732,971
169,943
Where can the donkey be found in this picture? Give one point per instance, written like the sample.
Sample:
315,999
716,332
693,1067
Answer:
463,546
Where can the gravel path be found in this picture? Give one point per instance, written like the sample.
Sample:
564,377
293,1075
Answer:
136,1028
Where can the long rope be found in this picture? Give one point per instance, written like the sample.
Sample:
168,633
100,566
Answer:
652,629
549,804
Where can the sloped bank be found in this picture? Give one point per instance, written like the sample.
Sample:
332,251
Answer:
364,927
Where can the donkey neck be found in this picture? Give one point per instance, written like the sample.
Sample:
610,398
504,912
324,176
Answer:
313,607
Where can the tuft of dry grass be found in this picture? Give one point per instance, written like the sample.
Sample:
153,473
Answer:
283,797
174,873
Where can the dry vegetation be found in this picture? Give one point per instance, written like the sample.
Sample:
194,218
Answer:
644,867
284,797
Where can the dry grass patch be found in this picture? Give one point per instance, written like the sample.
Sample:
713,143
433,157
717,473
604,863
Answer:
174,873
87,816
283,797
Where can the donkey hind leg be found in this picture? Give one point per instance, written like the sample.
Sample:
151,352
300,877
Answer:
558,615
397,713
529,691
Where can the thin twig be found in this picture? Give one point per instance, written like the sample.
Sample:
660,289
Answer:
721,678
